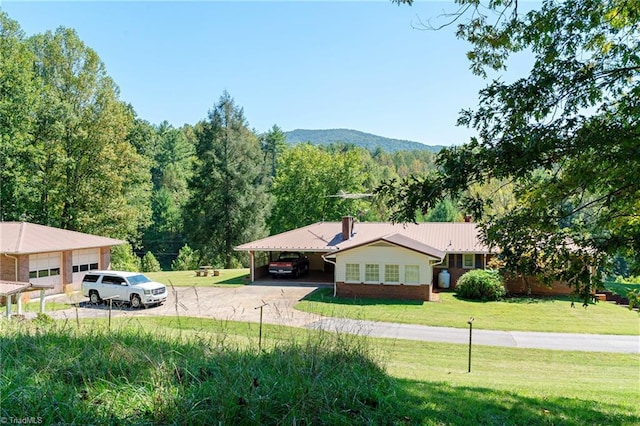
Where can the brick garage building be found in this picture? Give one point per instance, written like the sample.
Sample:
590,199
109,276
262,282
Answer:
50,257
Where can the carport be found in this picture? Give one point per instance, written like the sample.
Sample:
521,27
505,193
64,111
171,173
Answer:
10,288
315,241
319,270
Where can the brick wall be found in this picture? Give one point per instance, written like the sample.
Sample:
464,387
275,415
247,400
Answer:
384,291
7,268
105,258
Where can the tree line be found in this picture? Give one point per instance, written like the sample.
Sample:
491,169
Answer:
75,156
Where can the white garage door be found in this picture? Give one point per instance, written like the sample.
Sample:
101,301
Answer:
44,268
83,261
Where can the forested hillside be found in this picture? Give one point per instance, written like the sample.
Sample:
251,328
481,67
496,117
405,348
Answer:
354,137
75,156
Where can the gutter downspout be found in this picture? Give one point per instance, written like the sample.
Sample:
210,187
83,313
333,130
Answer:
335,288
19,299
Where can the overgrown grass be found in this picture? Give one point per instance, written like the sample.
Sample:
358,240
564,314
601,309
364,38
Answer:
227,277
203,371
549,314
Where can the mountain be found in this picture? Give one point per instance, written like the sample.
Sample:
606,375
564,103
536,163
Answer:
364,140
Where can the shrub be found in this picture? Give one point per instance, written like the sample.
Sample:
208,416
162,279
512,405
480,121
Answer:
124,259
150,263
481,284
188,259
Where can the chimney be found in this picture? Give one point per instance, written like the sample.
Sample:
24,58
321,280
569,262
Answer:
467,218
347,227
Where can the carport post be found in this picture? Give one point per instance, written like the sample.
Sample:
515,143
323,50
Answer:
8,306
19,302
42,301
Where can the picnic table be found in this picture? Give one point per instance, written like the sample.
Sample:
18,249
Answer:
205,271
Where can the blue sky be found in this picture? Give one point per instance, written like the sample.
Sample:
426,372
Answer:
298,64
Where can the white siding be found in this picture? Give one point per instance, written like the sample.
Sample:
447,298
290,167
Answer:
83,261
45,268
389,255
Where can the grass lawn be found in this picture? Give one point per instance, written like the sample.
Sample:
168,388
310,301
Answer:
227,277
620,288
550,314
34,306
181,370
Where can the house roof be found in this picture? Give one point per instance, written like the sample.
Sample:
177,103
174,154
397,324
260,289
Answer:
462,237
401,241
29,238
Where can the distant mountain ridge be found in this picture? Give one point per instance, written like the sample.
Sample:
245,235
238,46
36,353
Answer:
355,137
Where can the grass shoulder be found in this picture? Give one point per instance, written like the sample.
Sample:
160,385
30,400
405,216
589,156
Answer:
545,314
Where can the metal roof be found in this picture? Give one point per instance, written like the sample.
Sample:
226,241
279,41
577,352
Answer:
29,238
400,241
459,237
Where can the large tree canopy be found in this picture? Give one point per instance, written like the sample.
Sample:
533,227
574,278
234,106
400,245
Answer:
567,135
228,201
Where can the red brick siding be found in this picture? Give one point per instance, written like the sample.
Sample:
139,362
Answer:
105,258
384,291
7,268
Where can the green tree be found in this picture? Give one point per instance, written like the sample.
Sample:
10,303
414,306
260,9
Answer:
273,144
86,174
172,166
228,202
444,211
313,185
567,136
124,259
149,263
18,100
188,259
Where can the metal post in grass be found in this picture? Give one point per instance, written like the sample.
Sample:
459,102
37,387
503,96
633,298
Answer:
260,334
470,322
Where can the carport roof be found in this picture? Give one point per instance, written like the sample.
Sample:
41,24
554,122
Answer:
29,238
462,237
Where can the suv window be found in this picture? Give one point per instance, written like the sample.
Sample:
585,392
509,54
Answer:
112,280
91,278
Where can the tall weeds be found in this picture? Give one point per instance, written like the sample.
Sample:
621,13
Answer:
61,374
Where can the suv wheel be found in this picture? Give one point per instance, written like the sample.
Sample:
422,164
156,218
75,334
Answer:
135,301
94,297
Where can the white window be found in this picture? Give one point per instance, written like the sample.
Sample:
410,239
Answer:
353,272
412,274
372,272
392,273
467,261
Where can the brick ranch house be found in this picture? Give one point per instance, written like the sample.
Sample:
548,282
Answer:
385,260
51,258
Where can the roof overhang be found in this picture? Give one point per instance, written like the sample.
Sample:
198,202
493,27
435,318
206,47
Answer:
397,240
9,288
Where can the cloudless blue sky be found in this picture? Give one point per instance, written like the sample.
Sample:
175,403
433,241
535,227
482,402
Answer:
298,64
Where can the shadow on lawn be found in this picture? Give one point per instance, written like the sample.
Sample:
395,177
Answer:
325,295
444,404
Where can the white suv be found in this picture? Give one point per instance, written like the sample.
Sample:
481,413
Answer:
132,287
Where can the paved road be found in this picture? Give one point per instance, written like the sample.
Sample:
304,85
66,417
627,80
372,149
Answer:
240,303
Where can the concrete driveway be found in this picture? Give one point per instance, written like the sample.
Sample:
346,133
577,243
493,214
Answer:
234,304
279,298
